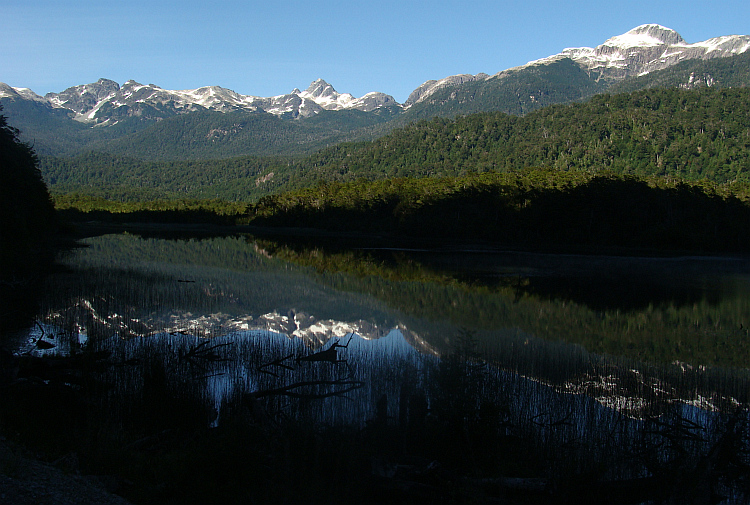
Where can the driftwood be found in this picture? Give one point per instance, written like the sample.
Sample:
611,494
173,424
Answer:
330,355
262,417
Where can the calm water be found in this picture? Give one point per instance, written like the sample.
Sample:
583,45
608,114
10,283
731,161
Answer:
596,342
545,316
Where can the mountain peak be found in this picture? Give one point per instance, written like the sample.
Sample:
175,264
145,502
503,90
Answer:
646,35
320,88
644,49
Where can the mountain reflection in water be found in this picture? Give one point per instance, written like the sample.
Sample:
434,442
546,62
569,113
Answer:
575,348
685,314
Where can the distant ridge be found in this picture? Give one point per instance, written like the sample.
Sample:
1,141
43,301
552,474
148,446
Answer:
148,122
642,50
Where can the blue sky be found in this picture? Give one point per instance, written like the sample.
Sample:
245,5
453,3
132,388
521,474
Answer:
269,48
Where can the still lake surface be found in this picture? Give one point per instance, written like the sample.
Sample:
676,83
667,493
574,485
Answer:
579,343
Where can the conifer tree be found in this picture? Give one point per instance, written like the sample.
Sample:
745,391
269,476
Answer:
26,209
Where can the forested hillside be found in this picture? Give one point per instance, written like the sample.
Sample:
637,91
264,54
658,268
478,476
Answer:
692,134
514,91
216,135
198,135
702,133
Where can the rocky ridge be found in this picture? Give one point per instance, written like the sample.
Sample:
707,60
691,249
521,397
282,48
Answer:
105,102
645,49
641,50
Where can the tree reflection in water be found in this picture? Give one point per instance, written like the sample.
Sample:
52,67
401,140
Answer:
194,391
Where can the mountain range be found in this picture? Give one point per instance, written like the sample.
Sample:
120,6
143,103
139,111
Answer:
215,122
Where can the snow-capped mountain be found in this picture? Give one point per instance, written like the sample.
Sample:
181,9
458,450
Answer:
105,101
641,50
647,48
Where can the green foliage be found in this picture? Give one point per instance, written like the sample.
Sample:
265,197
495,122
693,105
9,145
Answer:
515,91
693,134
128,179
76,207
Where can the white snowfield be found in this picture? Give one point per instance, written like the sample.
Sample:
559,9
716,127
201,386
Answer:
661,47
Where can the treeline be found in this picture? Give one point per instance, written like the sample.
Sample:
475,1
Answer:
533,208
127,179
77,208
529,208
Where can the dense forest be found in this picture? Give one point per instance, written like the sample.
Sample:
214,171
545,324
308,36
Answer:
527,208
124,178
694,134
531,208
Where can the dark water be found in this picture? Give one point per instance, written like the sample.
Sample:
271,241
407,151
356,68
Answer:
578,348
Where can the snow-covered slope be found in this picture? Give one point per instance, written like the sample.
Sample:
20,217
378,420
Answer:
647,48
19,93
106,102
641,50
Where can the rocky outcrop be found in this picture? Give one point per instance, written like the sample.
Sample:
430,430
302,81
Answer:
105,101
430,87
83,98
645,49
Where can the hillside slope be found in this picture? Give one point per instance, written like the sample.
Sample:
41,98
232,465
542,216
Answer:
695,134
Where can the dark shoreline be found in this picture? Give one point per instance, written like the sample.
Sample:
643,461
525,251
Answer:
362,240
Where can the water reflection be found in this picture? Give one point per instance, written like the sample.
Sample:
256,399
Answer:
598,361
528,311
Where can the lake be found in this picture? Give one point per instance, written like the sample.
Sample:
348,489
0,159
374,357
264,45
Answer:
619,364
